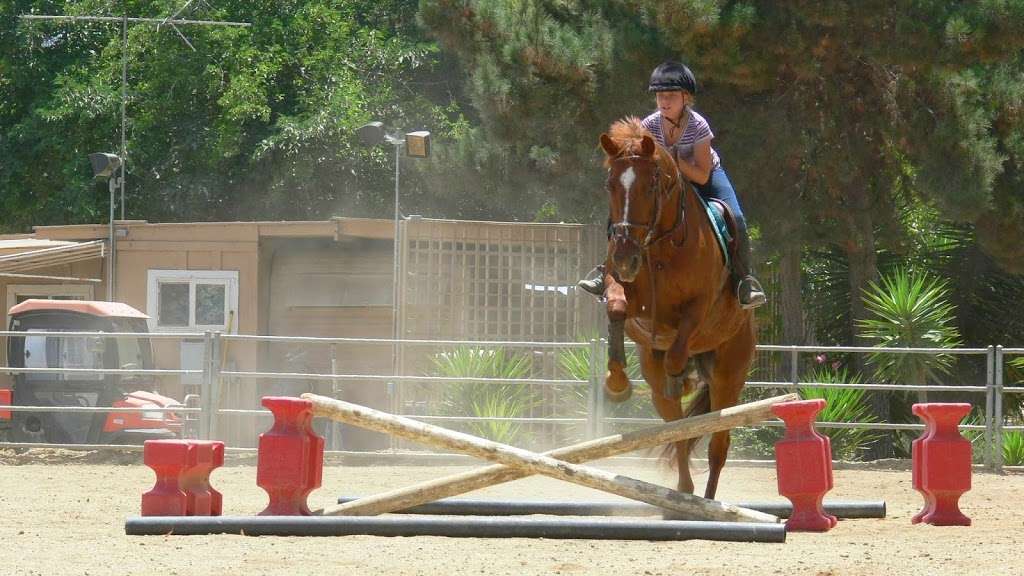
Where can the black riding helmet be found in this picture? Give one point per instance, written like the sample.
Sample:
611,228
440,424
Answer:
671,76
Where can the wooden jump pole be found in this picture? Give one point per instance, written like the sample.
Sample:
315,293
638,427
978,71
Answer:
455,484
693,506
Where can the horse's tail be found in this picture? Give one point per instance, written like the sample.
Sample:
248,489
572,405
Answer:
699,404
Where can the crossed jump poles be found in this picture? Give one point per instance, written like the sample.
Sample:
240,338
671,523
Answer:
291,459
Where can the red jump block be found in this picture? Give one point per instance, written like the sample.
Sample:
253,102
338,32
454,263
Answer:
941,464
183,470
291,457
6,399
803,464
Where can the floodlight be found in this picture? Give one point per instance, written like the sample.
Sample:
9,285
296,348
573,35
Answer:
104,165
371,134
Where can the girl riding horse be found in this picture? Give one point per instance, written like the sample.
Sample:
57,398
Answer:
687,135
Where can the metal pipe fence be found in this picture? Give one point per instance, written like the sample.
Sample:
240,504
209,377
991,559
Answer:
593,422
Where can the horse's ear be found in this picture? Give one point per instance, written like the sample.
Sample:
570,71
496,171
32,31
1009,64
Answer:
647,146
610,148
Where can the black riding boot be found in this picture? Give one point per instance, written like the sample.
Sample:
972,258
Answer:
593,285
748,289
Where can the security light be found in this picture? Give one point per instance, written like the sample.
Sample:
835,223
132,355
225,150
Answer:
371,134
104,165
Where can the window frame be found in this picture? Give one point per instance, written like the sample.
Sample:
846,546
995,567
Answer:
227,278
75,291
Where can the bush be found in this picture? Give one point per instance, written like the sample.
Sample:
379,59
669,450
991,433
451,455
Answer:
1013,448
842,405
575,364
486,399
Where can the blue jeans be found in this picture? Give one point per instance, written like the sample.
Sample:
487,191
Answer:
719,187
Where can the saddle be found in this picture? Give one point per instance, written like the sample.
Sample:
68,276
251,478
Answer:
724,224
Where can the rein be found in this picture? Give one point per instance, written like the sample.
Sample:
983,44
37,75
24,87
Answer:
621,229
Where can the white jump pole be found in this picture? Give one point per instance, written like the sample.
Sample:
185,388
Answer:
688,504
455,484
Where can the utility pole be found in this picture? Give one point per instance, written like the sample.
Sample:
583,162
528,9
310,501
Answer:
174,22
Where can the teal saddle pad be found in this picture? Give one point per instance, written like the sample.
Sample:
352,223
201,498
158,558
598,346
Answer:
718,224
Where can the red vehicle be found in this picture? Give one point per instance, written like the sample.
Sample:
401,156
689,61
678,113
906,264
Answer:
93,352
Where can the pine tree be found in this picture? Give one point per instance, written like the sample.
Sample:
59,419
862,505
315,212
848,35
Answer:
822,110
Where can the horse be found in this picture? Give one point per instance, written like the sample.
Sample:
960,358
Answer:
667,286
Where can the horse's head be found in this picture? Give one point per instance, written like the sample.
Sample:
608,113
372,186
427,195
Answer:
635,168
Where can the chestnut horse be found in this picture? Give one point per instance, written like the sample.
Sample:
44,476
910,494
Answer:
669,289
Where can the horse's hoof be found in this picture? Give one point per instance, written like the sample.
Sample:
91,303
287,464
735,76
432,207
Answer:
674,386
618,396
617,388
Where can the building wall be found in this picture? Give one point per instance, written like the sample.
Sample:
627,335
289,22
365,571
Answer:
461,280
332,289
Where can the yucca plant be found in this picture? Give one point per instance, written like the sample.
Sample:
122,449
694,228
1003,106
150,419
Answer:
1014,403
979,447
575,364
1013,448
910,309
842,405
486,399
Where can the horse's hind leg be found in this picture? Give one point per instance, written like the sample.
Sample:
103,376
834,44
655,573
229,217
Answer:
729,374
652,366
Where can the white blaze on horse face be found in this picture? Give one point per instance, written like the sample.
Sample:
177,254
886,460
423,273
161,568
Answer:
627,178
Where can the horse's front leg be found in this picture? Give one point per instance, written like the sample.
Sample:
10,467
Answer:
678,353
616,384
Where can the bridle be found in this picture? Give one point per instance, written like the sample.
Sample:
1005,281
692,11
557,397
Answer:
621,230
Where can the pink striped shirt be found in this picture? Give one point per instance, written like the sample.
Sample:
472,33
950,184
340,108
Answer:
697,130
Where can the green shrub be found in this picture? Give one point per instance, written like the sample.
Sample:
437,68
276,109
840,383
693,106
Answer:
1013,448
842,405
910,309
486,399
575,364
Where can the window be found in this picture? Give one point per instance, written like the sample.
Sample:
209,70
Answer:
192,300
18,293
69,352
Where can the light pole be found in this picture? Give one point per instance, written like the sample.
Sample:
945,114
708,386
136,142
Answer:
104,167
417,145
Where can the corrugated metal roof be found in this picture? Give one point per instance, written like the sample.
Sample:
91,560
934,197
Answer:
57,254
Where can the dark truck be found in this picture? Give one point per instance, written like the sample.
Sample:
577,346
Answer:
95,352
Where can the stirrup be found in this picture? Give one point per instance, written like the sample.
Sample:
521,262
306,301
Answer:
755,295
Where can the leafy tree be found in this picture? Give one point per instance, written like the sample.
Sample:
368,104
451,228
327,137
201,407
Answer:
255,123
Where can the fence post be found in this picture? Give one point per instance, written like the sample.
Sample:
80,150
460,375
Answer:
592,385
794,369
990,387
602,360
205,387
335,428
216,382
997,427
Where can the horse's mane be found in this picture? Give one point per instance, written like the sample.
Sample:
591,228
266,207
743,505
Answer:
627,134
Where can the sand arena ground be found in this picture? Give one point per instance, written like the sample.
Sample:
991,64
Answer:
64,514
